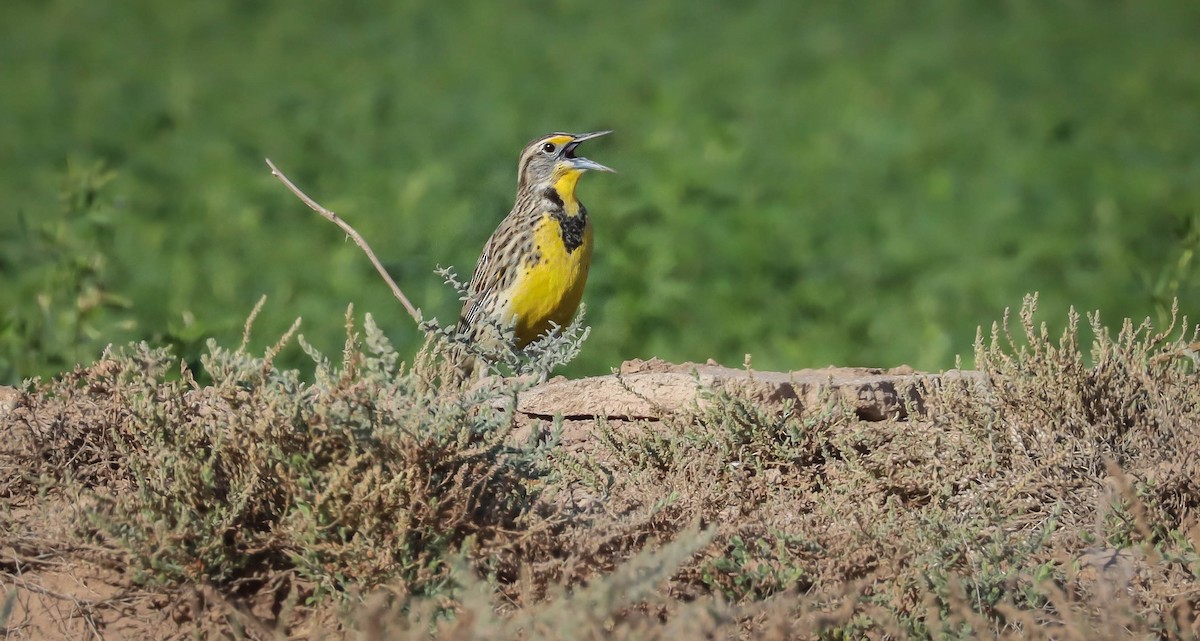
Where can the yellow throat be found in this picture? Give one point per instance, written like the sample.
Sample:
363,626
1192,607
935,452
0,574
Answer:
549,289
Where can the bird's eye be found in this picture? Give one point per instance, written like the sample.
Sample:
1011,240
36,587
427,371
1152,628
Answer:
549,148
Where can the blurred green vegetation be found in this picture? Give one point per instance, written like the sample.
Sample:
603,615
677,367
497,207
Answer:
811,183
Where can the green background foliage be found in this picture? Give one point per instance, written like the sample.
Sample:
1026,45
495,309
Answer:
812,183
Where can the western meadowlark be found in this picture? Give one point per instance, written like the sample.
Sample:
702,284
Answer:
532,270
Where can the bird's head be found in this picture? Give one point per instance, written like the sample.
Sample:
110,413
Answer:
551,161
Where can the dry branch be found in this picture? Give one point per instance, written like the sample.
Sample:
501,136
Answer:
354,235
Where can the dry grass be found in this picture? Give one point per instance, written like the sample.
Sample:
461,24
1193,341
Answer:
1055,498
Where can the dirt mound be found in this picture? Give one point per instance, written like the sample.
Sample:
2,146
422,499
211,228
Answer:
652,390
645,389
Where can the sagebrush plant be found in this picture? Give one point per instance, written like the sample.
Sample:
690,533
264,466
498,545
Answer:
967,523
620,606
1132,401
1095,449
373,473
1051,494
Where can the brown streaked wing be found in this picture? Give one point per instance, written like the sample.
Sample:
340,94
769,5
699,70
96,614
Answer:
488,276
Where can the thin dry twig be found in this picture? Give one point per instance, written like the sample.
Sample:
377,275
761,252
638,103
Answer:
354,235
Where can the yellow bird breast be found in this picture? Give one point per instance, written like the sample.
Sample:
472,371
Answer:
550,289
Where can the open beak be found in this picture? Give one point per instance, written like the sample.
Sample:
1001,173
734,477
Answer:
580,163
